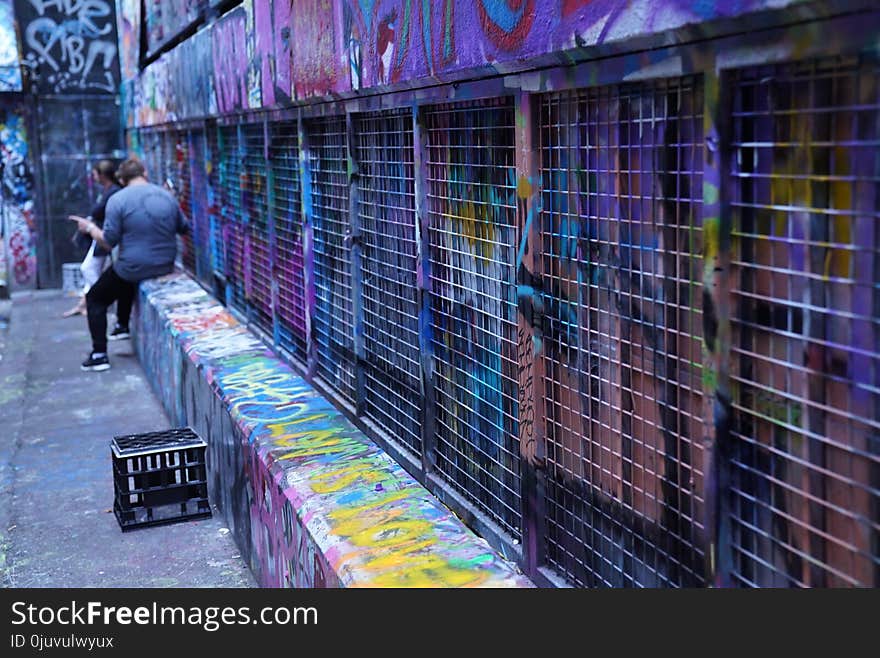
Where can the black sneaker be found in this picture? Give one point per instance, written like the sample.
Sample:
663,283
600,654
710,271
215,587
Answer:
96,363
119,333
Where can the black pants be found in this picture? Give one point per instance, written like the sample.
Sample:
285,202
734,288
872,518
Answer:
108,289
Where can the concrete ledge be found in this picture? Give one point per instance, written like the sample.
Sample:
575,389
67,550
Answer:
312,502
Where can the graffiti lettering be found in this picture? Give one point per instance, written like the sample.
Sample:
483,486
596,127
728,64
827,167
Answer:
327,507
231,61
75,39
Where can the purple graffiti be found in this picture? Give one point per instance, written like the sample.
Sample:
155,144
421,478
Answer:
231,62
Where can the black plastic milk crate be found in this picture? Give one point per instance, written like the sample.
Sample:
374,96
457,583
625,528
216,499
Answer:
159,477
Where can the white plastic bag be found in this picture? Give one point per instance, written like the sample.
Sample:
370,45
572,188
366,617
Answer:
92,268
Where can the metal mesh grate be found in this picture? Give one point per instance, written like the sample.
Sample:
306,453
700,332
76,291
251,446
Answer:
213,159
182,190
168,157
287,214
258,275
805,495
151,144
621,271
200,206
390,304
472,208
141,147
152,149
233,233
334,324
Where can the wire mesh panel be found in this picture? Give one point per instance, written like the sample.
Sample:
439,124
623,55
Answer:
168,162
200,204
805,495
134,139
472,208
179,175
232,230
151,143
390,304
150,146
334,323
182,190
214,169
621,279
287,215
140,144
258,275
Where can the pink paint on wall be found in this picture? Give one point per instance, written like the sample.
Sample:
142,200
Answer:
231,61
320,53
281,39
264,51
272,49
311,48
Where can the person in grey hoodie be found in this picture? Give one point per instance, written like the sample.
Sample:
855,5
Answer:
143,219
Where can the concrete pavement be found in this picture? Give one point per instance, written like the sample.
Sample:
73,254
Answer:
56,488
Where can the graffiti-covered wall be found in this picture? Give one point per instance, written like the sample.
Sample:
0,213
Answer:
129,20
164,20
10,70
18,264
69,54
309,500
71,46
602,276
17,227
263,53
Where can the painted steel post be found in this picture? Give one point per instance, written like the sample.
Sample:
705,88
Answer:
197,159
423,269
244,226
193,233
353,239
529,329
820,234
270,231
223,158
45,255
305,173
716,327
212,182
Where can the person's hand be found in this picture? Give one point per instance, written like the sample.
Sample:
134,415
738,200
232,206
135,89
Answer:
83,225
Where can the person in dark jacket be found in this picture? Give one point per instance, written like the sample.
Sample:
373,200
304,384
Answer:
104,174
143,220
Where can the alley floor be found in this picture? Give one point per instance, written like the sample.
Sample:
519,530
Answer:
57,528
